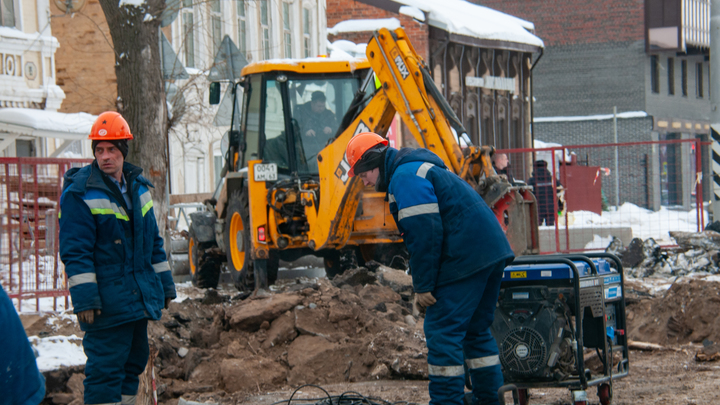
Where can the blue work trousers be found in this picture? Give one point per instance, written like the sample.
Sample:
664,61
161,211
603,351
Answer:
457,330
116,356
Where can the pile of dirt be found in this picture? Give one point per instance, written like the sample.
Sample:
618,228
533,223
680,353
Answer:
688,312
225,346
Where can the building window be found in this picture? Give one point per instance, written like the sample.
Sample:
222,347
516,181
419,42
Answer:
683,77
242,29
699,79
189,33
671,76
654,74
7,13
287,15
307,45
265,28
216,24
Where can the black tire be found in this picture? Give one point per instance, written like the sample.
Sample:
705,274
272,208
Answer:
204,262
237,241
238,247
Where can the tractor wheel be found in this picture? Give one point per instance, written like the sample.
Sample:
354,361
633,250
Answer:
332,262
238,246
204,266
605,394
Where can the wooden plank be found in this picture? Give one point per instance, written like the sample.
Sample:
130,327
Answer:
189,198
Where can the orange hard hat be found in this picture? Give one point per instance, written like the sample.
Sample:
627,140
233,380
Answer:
360,144
110,126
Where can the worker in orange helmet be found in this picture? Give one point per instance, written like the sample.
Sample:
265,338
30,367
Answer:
117,271
458,253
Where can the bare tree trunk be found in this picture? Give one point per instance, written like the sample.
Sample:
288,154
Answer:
141,91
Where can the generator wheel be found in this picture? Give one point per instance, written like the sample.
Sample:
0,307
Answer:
237,241
204,266
605,394
523,396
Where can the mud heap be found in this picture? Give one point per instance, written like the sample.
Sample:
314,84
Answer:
225,346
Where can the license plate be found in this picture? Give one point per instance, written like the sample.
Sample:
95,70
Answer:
518,274
265,172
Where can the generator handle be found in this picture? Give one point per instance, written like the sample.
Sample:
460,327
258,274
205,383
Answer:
553,259
582,258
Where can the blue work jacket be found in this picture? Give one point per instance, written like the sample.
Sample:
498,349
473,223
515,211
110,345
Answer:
113,255
448,229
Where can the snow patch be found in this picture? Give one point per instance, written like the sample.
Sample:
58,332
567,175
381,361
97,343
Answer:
599,242
51,121
644,223
131,3
148,17
58,351
364,25
464,18
13,33
412,12
599,117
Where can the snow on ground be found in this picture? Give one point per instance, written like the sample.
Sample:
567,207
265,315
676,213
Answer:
58,351
644,223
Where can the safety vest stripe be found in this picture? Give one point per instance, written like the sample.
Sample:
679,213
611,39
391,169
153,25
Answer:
102,206
391,198
160,267
418,210
424,169
82,279
146,202
446,371
481,362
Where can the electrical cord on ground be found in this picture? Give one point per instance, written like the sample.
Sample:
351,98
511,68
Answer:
346,398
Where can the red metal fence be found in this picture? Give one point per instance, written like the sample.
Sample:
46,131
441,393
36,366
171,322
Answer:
30,269
588,194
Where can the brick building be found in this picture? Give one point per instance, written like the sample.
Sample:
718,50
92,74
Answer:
470,50
648,58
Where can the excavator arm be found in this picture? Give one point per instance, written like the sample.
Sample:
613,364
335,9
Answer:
406,88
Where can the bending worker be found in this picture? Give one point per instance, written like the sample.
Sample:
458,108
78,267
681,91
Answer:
457,256
117,270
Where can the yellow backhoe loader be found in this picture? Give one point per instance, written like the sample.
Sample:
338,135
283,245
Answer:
286,192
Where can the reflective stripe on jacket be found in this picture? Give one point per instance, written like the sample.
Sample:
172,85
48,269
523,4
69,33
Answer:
448,229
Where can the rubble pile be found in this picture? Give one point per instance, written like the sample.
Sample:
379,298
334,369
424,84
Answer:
358,326
696,252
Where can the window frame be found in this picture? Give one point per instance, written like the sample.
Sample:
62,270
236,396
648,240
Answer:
215,23
188,33
264,10
699,90
241,17
287,33
671,76
654,74
307,34
683,77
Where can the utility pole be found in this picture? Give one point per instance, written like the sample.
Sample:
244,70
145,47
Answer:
715,103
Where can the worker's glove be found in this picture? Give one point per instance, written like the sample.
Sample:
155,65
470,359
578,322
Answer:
167,302
89,315
424,300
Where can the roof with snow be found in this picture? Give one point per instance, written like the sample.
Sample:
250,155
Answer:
51,124
464,20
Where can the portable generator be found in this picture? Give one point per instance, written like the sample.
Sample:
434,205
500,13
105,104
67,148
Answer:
550,310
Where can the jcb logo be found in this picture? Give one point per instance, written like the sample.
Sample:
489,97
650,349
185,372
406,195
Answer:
400,63
344,167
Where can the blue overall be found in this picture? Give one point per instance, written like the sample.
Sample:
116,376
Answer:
115,262
458,252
